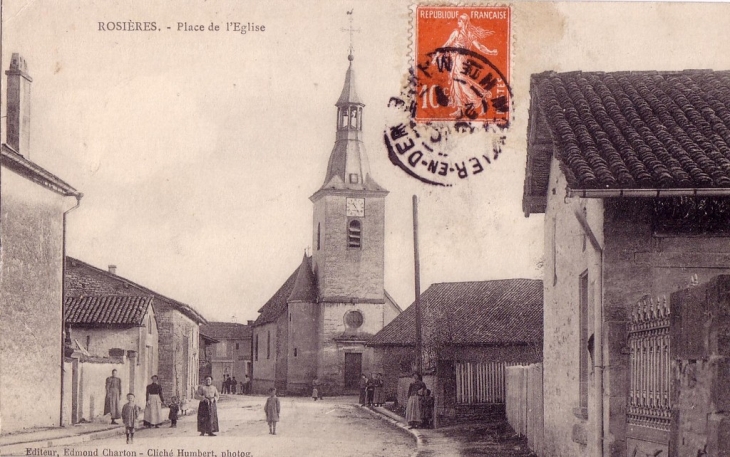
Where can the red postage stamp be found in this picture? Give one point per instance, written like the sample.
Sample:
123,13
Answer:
463,64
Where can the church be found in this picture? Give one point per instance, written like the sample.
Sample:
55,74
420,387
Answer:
318,323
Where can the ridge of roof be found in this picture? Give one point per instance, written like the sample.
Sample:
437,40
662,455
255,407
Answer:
182,307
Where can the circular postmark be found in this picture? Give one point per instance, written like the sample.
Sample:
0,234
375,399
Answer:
458,89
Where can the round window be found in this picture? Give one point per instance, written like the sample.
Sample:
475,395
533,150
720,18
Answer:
354,319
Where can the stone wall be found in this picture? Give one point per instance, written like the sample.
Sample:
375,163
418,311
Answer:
90,386
264,368
568,255
136,339
31,326
336,338
700,326
178,352
344,272
303,347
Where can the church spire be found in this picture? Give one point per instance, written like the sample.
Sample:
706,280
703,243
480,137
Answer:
348,166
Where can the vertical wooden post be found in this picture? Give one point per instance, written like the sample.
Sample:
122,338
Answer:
417,304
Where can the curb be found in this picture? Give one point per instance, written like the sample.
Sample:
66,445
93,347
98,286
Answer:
396,421
21,448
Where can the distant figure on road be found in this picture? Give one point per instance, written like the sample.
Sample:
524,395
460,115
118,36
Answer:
130,413
208,408
153,408
246,384
316,389
113,396
272,409
363,389
378,394
234,385
413,408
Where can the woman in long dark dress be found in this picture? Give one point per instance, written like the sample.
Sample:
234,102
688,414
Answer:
378,395
113,397
413,408
153,407
208,408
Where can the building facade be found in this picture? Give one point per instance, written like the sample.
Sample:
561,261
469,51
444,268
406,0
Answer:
471,331
103,323
632,172
177,324
230,355
318,323
33,204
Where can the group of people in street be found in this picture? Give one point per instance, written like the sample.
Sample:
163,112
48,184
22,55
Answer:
419,409
233,386
371,390
153,401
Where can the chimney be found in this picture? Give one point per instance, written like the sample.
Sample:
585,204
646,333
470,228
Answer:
113,269
249,323
18,100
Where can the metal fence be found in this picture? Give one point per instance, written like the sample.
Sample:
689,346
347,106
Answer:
650,402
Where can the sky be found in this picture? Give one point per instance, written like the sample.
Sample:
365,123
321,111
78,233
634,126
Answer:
197,151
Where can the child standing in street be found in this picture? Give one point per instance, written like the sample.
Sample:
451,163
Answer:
272,409
130,412
174,409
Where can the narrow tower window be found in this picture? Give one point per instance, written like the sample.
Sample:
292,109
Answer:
353,118
354,234
319,235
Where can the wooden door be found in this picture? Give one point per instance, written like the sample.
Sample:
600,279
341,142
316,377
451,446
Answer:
353,370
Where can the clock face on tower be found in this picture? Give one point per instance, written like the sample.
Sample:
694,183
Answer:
356,207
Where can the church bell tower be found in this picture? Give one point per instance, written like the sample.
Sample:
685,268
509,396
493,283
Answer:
349,213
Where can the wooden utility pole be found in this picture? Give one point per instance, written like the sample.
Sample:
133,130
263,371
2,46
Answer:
417,304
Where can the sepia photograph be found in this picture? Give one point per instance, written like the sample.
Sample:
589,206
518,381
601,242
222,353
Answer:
346,228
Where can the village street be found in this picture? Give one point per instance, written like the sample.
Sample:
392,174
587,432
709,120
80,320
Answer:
330,427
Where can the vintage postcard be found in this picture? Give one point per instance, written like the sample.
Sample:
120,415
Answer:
345,228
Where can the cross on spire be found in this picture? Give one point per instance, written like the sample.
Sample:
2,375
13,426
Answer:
351,30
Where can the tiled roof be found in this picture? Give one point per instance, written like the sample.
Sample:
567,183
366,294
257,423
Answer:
630,130
305,286
277,304
83,279
506,311
106,310
226,331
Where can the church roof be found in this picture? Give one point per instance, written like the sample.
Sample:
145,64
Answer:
349,94
305,286
277,304
349,157
301,285
505,311
628,130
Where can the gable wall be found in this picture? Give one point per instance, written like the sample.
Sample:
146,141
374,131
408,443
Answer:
31,321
